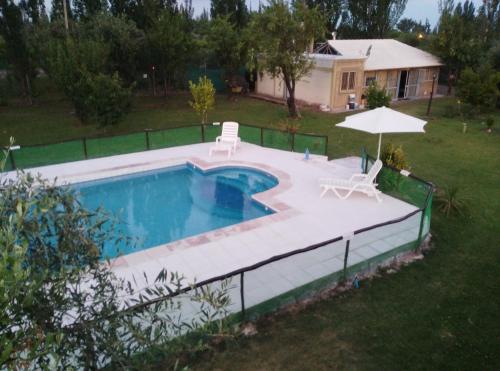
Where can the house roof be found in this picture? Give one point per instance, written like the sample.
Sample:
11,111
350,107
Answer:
327,60
385,54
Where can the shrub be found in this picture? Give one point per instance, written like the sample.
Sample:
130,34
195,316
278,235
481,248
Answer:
394,156
203,97
377,97
108,101
449,201
76,66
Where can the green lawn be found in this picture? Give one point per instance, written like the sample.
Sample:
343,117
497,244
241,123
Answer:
439,313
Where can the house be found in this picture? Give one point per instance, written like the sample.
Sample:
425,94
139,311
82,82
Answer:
343,69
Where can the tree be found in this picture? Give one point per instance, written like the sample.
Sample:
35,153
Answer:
226,44
78,66
124,40
171,43
458,42
203,95
489,20
57,10
34,10
480,90
235,10
14,32
332,10
279,37
371,18
62,306
85,9
408,25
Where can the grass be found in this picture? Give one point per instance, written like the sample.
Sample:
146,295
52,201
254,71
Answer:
440,313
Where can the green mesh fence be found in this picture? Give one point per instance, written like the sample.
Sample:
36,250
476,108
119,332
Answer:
175,137
427,217
277,139
407,189
8,164
249,134
316,145
109,146
212,132
49,154
80,149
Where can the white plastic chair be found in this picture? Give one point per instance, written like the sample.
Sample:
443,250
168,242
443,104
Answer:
229,135
363,183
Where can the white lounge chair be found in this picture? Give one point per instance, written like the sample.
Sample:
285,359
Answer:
229,135
221,147
357,183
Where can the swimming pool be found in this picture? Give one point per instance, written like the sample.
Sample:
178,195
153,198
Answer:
161,206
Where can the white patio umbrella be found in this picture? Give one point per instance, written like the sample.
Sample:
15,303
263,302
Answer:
383,120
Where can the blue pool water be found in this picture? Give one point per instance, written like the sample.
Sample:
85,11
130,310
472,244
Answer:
161,206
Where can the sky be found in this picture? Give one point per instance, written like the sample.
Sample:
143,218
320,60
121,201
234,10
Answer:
416,9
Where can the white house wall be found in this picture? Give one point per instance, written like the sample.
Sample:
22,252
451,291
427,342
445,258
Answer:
315,88
266,85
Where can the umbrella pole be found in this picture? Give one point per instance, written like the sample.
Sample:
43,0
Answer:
379,144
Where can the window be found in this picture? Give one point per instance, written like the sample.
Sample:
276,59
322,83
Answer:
370,80
348,81
426,74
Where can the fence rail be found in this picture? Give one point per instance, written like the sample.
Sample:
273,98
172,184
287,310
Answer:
284,278
318,266
28,156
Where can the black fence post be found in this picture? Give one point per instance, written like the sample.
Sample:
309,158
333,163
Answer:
242,294
12,161
419,239
422,219
262,137
347,243
326,145
366,161
203,133
85,153
293,142
148,145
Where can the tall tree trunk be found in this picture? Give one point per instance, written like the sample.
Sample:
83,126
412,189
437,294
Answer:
290,101
27,86
451,76
165,85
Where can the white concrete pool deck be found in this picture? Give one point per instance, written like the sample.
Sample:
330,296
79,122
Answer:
302,218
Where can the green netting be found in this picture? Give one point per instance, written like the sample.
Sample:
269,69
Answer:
214,75
372,263
249,134
277,139
27,157
316,145
8,165
175,137
405,188
299,293
427,217
212,132
109,146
